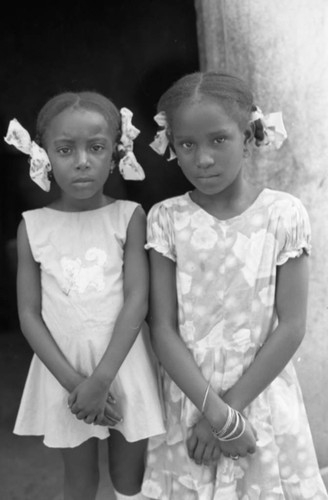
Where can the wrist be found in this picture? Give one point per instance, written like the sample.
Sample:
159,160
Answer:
72,381
236,404
216,411
103,380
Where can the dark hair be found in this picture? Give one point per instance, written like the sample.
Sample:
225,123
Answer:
230,91
78,100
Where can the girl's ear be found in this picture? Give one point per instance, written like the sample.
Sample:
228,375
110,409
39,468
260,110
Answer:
116,156
248,135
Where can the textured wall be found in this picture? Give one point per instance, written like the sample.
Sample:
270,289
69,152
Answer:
281,49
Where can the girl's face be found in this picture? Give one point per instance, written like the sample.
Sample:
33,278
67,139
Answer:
80,147
209,145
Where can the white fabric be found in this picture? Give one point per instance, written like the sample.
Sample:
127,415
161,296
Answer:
19,137
138,496
161,141
274,129
81,260
129,168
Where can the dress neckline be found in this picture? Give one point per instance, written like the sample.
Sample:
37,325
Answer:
92,210
235,217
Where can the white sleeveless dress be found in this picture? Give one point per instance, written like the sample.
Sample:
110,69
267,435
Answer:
81,261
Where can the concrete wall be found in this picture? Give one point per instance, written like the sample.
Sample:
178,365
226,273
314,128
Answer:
281,49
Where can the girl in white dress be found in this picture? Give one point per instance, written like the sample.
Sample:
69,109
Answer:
82,297
229,284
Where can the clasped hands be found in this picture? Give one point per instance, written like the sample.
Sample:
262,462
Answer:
205,449
91,402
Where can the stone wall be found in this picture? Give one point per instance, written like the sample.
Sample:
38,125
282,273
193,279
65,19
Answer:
281,49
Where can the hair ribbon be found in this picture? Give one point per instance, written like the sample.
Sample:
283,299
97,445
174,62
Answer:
128,165
161,141
273,128
39,161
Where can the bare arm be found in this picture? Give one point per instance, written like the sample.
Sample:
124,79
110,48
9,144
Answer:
31,322
167,343
88,399
135,307
291,304
180,364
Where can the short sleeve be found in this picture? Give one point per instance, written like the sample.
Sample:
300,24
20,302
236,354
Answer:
160,233
294,233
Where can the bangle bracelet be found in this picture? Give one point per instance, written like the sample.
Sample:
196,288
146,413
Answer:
220,433
234,430
205,397
229,431
243,428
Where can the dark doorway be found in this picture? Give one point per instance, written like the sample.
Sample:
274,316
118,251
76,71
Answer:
130,51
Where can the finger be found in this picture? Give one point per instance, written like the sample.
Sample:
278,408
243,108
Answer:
216,453
70,400
75,409
198,453
254,432
112,414
113,418
90,419
109,422
106,420
104,423
191,445
207,455
111,399
81,415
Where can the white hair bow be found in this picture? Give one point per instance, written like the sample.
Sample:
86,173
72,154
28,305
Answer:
273,128
161,141
128,165
39,161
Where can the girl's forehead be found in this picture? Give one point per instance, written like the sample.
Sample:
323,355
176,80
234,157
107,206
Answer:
75,121
75,114
204,113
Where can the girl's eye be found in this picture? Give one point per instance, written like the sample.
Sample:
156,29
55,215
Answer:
187,145
97,147
64,150
219,140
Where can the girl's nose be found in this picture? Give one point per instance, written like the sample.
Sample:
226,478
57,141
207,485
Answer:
204,159
82,160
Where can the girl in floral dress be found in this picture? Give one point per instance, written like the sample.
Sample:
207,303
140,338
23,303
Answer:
229,285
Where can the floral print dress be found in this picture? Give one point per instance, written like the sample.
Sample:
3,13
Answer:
226,276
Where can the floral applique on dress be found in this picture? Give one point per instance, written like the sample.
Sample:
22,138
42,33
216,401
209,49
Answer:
79,275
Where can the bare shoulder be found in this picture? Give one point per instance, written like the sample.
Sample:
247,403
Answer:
138,217
22,237
136,230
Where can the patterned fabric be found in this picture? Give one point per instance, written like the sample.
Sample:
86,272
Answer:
226,274
81,262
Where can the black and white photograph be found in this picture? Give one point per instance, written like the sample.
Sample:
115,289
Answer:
163,240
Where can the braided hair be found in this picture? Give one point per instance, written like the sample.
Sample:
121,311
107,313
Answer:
230,91
87,100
